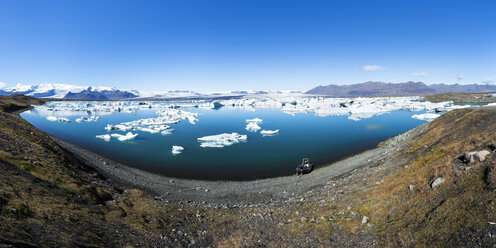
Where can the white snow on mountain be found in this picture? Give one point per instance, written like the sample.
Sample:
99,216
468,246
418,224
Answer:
44,90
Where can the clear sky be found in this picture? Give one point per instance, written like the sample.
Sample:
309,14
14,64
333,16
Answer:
210,45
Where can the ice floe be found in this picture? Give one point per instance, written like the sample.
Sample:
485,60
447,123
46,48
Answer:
221,140
269,132
252,127
426,116
105,137
59,119
128,136
254,120
157,124
87,119
63,119
177,149
355,108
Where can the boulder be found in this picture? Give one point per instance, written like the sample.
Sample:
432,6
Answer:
476,156
365,220
481,155
437,182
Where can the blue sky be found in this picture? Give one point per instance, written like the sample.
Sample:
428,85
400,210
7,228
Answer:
225,45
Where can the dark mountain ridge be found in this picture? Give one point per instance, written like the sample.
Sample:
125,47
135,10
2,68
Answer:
396,89
100,95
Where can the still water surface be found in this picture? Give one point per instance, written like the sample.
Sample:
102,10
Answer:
322,139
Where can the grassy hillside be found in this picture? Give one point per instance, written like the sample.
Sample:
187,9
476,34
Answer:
457,212
465,98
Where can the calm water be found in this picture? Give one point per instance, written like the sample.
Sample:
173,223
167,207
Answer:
322,139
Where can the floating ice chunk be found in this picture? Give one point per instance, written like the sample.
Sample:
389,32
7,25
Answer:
488,105
177,149
65,120
252,127
254,120
221,140
60,119
426,117
52,118
105,137
128,136
87,119
167,132
210,105
449,108
269,132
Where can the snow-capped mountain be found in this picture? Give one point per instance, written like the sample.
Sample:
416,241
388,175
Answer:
67,91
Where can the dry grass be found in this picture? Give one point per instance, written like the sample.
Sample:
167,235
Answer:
432,217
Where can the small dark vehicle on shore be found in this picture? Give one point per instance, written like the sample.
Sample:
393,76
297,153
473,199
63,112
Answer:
305,167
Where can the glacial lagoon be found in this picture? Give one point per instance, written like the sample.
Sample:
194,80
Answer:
323,131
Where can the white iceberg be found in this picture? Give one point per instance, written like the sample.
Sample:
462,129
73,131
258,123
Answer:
269,132
254,120
426,117
52,118
252,127
156,125
167,132
59,119
177,149
87,119
221,140
65,120
128,136
105,137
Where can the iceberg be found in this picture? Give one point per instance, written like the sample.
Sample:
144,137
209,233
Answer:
59,119
105,137
87,119
221,140
157,124
128,136
254,120
252,127
65,120
52,118
269,132
167,132
177,149
426,117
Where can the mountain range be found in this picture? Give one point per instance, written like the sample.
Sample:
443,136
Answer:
396,89
66,91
